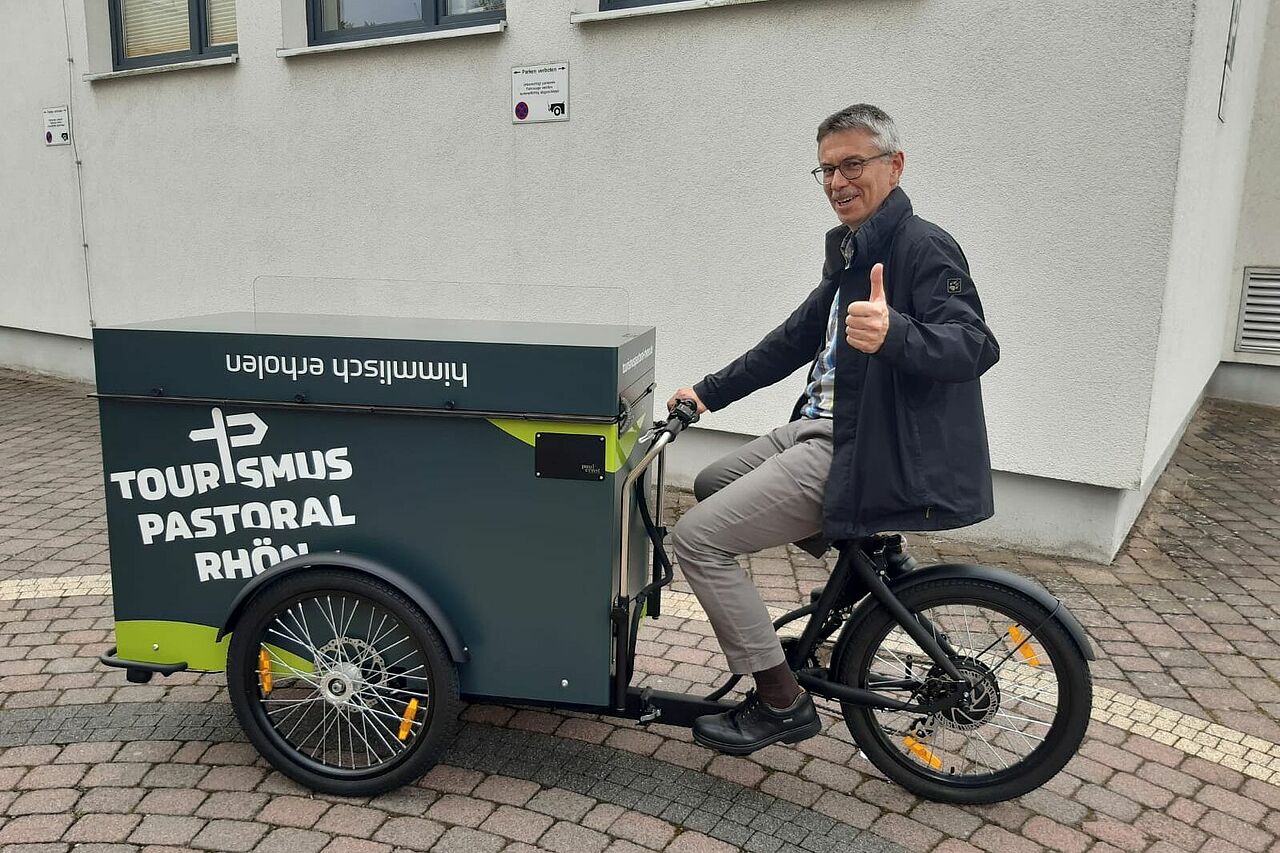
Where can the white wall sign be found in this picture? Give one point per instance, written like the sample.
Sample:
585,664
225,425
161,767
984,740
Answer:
57,130
540,93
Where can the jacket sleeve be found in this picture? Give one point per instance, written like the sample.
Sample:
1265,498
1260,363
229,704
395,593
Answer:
788,347
947,340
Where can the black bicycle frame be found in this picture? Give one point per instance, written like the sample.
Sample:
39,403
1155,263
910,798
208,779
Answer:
856,573
857,566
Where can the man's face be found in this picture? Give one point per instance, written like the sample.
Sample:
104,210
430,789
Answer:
855,200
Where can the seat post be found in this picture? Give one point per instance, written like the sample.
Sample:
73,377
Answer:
826,602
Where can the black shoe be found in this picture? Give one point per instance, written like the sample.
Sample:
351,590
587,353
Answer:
754,725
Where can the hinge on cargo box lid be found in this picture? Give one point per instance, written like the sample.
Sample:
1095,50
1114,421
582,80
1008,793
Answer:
624,415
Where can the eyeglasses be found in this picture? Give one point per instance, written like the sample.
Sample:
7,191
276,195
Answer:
851,169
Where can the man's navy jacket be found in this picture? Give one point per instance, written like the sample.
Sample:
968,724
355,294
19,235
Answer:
910,438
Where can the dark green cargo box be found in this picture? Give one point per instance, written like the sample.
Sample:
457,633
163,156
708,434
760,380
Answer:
483,461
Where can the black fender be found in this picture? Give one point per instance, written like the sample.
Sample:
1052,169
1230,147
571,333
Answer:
356,563
1002,577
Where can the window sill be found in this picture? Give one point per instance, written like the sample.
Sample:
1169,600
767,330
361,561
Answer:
434,35
655,9
157,69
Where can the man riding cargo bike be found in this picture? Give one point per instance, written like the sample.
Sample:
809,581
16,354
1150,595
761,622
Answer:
888,435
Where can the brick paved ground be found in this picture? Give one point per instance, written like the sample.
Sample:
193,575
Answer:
1186,622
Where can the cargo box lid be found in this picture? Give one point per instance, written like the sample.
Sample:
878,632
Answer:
508,367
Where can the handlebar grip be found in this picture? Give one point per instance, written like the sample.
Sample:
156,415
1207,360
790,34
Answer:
684,413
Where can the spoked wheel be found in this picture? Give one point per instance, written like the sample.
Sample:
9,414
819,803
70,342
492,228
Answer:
1028,699
341,683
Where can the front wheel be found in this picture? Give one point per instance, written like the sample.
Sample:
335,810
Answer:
1028,701
342,683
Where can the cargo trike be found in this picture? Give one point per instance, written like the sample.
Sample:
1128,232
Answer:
366,521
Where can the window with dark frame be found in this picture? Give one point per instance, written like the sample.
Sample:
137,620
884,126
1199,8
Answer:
331,21
147,33
610,5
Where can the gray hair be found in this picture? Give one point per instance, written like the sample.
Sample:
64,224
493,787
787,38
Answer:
873,120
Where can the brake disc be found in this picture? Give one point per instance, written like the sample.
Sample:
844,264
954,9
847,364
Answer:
361,653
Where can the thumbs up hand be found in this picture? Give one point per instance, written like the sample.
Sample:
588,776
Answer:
867,323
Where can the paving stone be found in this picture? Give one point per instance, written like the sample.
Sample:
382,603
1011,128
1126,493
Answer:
1163,826
1054,835
53,776
355,845
461,839
115,775
409,833
234,778
696,842
641,743
172,801
788,787
111,800
602,815
565,837
33,829
504,789
517,824
298,812
643,829
232,805
105,828
50,801
166,829
232,835
1219,825
949,819
561,804
290,840
1119,835
847,809
451,780
352,821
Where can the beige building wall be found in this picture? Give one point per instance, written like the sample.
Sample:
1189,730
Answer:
1057,143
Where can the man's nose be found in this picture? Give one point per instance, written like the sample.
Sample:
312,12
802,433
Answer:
838,180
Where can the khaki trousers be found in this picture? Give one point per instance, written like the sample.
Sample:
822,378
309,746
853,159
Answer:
767,493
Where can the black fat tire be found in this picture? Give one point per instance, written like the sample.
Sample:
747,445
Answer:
867,628
242,682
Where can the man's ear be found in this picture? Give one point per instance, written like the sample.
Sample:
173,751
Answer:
899,163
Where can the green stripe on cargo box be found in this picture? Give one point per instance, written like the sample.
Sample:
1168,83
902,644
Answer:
617,448
194,644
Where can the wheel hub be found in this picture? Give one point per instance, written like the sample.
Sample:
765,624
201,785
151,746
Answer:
356,656
978,706
340,684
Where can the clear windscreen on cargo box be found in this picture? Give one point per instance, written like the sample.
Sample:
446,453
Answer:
441,300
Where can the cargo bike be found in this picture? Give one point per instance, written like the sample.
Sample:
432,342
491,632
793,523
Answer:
367,521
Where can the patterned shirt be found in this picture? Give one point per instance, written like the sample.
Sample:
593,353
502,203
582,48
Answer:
822,384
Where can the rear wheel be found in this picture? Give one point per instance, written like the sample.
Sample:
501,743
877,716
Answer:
1029,693
342,683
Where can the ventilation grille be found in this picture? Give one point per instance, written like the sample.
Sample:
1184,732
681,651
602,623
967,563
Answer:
1260,312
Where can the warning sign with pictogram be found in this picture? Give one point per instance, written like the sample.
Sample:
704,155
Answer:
540,93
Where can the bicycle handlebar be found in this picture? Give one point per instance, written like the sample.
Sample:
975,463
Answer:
684,414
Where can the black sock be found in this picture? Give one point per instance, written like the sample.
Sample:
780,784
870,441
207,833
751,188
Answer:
777,686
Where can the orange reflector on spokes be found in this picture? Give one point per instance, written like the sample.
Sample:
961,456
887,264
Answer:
922,752
1024,648
406,722
264,672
